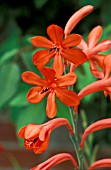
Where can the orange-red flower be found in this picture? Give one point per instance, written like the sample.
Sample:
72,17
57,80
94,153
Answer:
92,49
103,163
76,17
36,137
54,160
57,48
52,87
100,85
99,125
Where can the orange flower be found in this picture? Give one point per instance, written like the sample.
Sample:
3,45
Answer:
76,17
54,160
99,125
58,48
100,85
103,163
36,137
93,48
52,87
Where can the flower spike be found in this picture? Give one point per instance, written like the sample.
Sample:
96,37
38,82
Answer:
99,125
76,17
54,160
36,137
103,163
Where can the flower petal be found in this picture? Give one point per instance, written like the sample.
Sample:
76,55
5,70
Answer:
99,85
75,56
76,17
99,125
107,65
71,40
41,146
42,57
34,96
94,69
58,66
94,36
32,131
42,42
22,132
67,80
82,45
55,33
67,97
54,160
103,163
51,108
48,73
101,47
32,78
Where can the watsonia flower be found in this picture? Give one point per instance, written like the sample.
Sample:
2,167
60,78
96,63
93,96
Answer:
36,136
100,85
52,87
57,48
93,49
103,163
76,17
54,160
99,125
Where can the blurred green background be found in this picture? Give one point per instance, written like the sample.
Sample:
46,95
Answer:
19,21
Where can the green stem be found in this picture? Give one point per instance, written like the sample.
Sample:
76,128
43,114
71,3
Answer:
79,153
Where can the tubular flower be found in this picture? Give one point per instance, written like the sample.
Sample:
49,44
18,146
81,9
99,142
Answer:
57,48
99,125
52,87
36,137
76,17
100,85
103,163
54,160
93,48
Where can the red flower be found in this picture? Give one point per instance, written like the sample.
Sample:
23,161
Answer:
57,48
54,160
52,87
36,137
103,163
99,125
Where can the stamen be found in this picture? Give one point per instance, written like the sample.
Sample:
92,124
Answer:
44,90
53,48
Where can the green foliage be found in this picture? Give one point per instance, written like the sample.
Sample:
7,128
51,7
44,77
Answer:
9,76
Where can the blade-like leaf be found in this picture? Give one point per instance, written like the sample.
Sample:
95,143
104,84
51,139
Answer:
9,79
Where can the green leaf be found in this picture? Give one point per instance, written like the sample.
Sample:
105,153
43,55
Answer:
19,100
8,55
27,60
40,3
33,113
9,79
